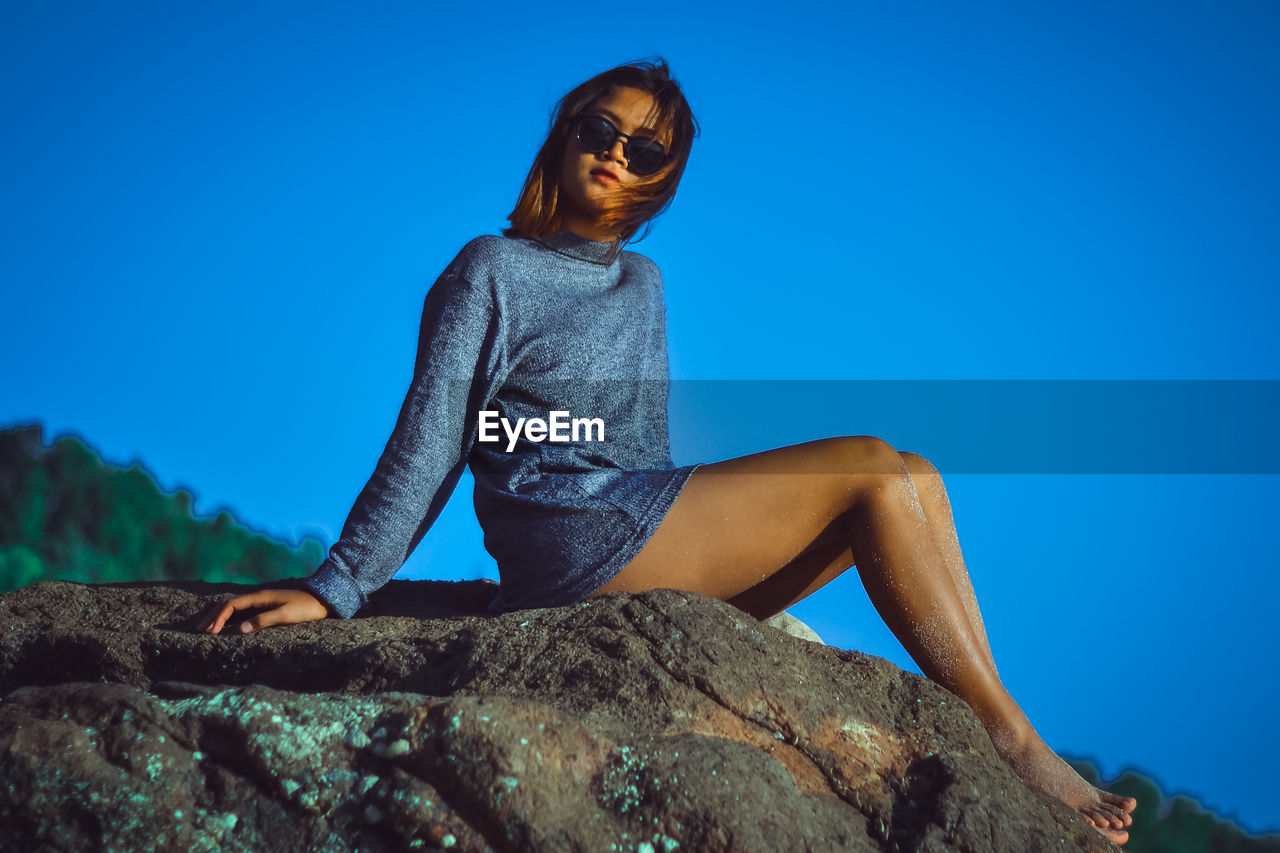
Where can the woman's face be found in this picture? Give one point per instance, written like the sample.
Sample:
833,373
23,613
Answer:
584,194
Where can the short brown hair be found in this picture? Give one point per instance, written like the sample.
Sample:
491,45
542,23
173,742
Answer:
537,214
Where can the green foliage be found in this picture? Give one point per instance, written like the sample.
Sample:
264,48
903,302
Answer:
66,515
1178,824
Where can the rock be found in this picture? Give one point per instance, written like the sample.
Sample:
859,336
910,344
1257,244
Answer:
784,621
653,722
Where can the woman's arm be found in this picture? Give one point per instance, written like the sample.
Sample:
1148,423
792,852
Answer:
461,359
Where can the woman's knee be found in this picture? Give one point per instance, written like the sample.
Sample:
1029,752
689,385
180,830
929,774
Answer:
927,480
874,473
867,455
917,464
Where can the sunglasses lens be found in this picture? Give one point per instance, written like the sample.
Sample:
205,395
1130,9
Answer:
644,156
645,159
595,134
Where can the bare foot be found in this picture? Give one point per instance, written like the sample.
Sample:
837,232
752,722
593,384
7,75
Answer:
1038,765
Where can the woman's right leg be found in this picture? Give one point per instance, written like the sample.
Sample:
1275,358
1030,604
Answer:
817,508
819,564
740,521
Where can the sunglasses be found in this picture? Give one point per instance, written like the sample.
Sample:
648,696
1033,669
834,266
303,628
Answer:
644,155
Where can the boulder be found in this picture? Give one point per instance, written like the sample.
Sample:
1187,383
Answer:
648,722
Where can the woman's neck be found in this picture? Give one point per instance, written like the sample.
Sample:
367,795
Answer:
587,228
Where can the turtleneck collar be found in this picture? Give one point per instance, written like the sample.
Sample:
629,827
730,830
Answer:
576,246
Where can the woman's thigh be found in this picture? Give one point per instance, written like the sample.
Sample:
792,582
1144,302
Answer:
737,522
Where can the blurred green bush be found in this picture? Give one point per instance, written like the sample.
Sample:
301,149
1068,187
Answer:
67,515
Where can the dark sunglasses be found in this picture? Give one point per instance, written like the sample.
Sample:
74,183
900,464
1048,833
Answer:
644,155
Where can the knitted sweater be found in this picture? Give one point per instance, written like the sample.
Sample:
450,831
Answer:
558,329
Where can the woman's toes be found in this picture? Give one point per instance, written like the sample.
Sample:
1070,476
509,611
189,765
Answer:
1115,836
1119,819
1105,816
1125,804
1096,816
1105,825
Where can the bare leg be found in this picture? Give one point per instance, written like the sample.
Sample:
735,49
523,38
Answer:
937,509
762,542
771,596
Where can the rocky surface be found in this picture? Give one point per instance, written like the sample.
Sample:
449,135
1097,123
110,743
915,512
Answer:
654,722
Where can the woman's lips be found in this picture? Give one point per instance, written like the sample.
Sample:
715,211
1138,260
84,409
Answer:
604,177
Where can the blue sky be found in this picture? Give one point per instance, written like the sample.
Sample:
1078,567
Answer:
220,223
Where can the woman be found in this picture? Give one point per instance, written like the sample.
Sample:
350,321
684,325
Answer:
553,317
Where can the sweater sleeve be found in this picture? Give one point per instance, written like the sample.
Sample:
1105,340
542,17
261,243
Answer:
461,358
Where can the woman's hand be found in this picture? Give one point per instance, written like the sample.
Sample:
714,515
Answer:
288,607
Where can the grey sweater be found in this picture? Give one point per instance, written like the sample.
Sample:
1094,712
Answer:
525,328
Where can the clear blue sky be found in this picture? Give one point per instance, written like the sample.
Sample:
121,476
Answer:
220,222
